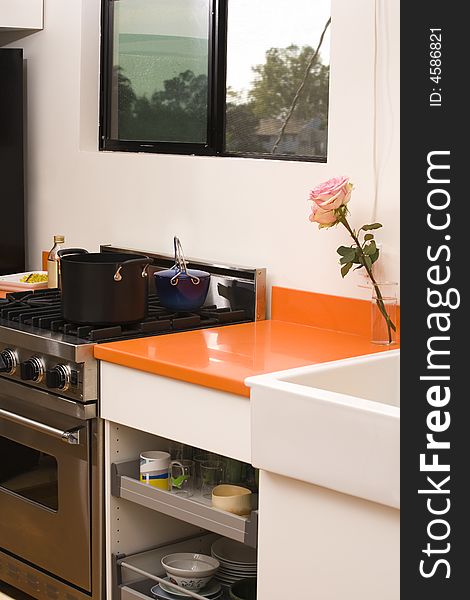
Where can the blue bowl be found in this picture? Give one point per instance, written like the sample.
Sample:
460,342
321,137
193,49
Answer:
186,295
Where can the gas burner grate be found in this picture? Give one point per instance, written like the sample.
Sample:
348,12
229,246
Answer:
42,310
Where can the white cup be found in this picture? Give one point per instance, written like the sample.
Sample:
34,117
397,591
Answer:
154,469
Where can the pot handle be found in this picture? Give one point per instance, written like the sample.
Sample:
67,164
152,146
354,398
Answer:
145,260
70,251
181,265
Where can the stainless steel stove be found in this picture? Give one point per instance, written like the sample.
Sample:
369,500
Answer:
51,437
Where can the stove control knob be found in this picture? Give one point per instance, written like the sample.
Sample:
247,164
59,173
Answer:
8,361
32,369
58,377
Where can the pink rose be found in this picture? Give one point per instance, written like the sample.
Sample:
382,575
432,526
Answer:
323,217
328,197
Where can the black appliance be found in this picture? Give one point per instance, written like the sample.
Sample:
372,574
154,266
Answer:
12,240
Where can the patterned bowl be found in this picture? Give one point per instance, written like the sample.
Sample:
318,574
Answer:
190,571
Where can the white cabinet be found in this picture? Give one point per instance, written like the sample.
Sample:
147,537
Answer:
21,14
144,523
143,411
326,440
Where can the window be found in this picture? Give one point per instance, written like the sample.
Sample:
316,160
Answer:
216,77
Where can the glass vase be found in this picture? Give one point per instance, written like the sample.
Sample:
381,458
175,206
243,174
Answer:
384,300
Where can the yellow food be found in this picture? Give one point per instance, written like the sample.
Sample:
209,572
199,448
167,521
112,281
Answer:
34,278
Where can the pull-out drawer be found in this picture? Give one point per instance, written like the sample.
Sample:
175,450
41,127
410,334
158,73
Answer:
135,575
196,510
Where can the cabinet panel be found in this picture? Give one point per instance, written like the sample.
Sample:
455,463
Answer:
21,14
339,546
195,415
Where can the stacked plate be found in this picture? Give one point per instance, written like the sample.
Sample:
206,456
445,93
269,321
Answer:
237,561
212,591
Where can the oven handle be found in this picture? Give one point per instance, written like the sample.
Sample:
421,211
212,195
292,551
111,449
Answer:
70,436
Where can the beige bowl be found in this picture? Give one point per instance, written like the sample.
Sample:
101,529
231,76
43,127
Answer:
232,498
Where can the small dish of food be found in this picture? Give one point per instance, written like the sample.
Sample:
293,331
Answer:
31,280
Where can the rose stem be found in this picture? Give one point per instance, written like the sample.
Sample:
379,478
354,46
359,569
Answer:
380,302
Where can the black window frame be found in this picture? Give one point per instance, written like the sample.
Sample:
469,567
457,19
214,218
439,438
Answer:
216,105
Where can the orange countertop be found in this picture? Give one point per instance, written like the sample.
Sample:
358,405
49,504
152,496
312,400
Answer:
223,357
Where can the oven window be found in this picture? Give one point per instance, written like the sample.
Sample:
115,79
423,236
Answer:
29,473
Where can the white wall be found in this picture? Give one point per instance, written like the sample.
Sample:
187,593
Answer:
236,210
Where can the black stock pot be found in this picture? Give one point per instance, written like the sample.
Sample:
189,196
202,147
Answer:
103,288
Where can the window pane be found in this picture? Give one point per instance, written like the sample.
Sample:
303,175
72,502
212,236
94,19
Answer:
29,473
269,49
160,70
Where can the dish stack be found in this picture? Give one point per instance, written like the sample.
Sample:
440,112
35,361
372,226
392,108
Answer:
237,561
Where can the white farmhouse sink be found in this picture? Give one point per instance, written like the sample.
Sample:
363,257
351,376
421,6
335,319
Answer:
334,424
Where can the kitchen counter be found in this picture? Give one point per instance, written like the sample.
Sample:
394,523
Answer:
223,357
148,396
201,374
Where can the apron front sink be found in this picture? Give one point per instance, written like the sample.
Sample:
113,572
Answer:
335,425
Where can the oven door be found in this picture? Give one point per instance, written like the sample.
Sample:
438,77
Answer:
44,486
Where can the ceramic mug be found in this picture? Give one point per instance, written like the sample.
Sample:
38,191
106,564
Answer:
154,469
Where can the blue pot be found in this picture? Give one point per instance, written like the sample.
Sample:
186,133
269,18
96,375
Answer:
182,291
